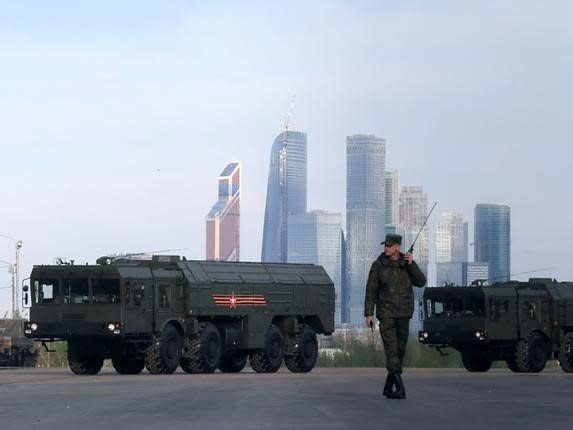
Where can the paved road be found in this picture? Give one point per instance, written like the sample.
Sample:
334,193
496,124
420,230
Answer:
324,399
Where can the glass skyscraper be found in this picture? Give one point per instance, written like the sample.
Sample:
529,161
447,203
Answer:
451,248
365,215
492,237
392,195
413,212
286,193
452,238
223,221
316,238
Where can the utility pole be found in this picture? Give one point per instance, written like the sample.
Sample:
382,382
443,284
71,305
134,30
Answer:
16,277
15,272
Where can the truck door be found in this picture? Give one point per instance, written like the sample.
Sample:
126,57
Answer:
138,302
169,296
502,313
530,310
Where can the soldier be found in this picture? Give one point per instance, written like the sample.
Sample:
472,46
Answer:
389,288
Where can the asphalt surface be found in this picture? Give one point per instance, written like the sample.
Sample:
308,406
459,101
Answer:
323,399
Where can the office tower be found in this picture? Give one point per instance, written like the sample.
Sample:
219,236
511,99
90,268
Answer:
315,238
286,193
392,197
474,271
492,240
452,238
223,221
413,212
451,248
365,216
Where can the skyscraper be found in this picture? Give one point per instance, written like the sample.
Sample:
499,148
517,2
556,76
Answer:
451,248
413,212
286,193
223,221
492,236
316,238
452,238
392,197
365,216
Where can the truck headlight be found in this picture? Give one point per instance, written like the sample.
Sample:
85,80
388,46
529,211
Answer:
481,335
423,335
115,328
34,326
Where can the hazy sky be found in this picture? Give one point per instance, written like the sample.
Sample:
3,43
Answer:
117,117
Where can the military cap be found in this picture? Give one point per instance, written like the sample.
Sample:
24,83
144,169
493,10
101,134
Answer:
392,239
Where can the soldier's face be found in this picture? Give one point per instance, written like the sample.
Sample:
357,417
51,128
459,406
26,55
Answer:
392,250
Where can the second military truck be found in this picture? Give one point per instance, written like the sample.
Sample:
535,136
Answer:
169,312
523,323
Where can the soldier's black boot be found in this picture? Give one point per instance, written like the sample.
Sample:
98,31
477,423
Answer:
400,392
389,385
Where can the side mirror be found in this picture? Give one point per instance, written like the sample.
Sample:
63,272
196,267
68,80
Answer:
26,297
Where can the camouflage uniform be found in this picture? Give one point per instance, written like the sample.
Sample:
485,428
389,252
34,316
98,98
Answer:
389,288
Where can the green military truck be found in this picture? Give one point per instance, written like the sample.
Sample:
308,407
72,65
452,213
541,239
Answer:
16,350
168,312
524,324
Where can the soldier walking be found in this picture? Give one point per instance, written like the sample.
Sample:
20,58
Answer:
389,288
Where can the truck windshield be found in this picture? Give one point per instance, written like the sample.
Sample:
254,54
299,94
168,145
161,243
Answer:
105,291
76,291
455,306
46,291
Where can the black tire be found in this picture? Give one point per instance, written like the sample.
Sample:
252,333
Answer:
81,360
270,358
475,360
126,365
566,353
301,350
529,355
233,361
164,353
202,351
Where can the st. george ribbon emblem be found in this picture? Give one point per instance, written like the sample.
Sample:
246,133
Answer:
233,301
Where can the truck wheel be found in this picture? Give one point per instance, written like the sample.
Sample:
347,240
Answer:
530,355
81,361
202,351
164,353
233,362
566,353
125,365
270,357
476,360
301,350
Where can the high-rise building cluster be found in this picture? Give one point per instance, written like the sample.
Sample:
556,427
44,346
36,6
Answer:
375,206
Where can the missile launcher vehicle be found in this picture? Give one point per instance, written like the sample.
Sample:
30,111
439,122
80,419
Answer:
524,324
168,312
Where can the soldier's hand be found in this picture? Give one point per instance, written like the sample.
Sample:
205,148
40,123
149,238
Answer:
409,257
370,322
